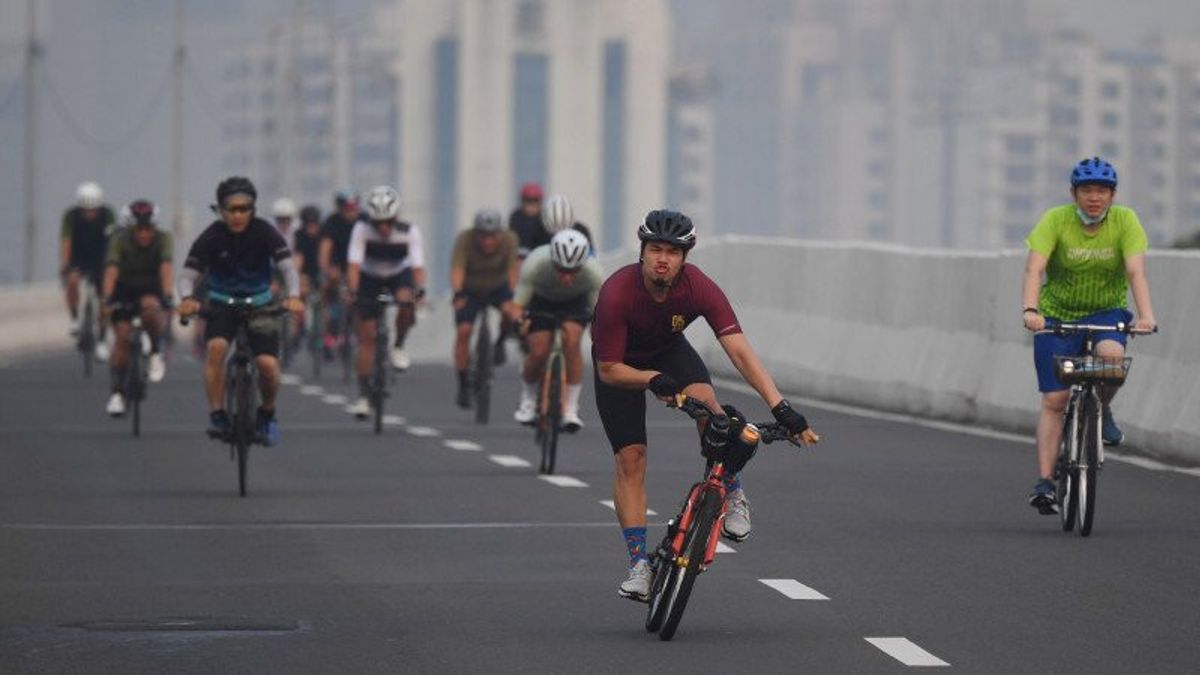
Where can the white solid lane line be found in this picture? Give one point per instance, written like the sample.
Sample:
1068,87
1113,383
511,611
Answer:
509,460
609,503
905,651
564,481
458,444
794,589
312,390
335,399
424,432
185,527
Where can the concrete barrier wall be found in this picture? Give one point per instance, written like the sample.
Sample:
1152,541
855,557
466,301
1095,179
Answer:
930,333
939,334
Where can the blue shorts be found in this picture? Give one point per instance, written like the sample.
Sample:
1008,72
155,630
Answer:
1048,345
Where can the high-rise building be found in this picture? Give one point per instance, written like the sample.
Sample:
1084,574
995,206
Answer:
691,146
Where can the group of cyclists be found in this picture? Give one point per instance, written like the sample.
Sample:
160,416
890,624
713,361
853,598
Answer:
539,272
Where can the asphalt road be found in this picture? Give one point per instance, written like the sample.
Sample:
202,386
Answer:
416,551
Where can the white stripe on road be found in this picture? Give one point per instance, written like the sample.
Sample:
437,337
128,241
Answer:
312,390
424,432
509,461
153,527
722,547
289,378
335,399
905,651
394,420
794,589
564,481
457,444
610,504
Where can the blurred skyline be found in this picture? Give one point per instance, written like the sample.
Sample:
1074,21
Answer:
104,97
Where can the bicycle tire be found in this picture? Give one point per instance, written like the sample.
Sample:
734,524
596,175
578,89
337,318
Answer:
379,386
663,566
345,350
696,546
133,385
1066,468
1089,464
87,337
243,425
553,415
483,371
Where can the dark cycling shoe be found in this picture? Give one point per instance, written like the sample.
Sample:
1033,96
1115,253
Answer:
1110,433
218,424
267,427
1044,497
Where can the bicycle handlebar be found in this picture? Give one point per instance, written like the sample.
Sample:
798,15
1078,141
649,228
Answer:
1066,328
208,313
769,432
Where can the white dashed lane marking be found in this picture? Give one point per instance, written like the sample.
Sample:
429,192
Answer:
564,481
458,444
905,651
511,461
312,390
722,547
424,432
334,399
288,378
794,589
609,503
393,420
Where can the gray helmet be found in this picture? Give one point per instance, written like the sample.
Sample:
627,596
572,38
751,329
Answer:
488,220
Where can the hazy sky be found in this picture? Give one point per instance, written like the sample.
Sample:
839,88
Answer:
105,63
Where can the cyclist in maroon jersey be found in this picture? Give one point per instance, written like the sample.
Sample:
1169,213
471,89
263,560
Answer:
638,344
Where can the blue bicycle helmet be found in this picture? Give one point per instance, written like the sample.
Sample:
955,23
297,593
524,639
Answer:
1094,171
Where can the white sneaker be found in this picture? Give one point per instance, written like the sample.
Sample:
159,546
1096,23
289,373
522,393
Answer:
361,408
102,350
571,421
637,586
157,368
116,405
526,412
737,516
400,359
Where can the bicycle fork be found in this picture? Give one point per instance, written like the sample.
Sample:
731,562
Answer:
682,523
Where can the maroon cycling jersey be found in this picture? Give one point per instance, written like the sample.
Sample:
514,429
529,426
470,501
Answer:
631,327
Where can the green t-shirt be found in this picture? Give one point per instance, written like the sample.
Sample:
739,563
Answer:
1085,272
138,266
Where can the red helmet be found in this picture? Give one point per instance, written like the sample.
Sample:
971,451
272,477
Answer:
531,191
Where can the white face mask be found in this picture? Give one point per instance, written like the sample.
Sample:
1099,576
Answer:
1088,220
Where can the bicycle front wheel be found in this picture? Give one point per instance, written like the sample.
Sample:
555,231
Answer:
483,371
135,389
695,546
1089,463
1067,468
553,417
243,425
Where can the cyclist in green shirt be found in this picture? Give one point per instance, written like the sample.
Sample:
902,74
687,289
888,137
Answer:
1092,253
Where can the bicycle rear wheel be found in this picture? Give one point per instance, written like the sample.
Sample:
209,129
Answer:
1088,465
1067,468
243,424
695,547
87,337
553,417
483,371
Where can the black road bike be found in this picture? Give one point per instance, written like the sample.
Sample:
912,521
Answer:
135,383
381,372
1081,452
89,315
482,373
690,544
551,387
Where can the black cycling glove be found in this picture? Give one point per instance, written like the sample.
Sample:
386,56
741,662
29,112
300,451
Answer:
786,415
663,384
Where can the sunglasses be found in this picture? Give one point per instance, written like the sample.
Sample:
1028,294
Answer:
378,223
238,208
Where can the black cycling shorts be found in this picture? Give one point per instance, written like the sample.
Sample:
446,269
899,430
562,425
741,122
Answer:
130,297
370,287
576,309
623,411
262,328
477,302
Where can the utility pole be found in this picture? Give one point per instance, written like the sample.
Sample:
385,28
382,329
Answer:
177,129
32,51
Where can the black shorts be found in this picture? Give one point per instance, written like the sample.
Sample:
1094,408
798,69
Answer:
130,299
477,302
576,309
370,287
623,411
262,328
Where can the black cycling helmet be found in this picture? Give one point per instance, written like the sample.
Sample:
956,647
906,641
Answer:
142,213
345,196
235,185
310,214
671,227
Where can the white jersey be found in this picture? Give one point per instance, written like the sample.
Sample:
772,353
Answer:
539,278
379,257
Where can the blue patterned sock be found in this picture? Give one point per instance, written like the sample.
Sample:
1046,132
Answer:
733,482
635,541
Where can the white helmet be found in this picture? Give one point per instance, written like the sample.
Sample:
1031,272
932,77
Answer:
383,203
89,195
557,214
284,208
125,217
568,249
